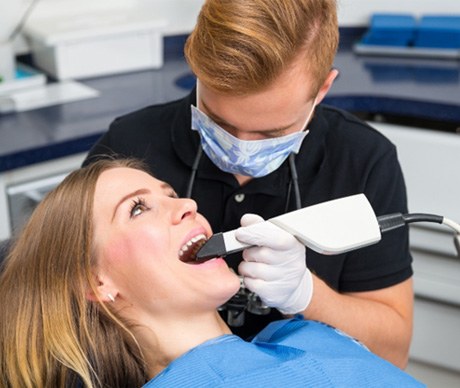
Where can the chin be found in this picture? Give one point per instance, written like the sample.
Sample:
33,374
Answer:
226,288
234,287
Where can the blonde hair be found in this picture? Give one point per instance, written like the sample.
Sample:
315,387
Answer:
241,46
51,335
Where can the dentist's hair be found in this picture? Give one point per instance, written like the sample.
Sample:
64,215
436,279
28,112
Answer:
242,46
51,334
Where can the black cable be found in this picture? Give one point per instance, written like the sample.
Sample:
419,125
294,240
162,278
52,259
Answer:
422,217
191,181
396,220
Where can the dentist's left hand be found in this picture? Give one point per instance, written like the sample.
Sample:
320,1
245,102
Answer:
275,268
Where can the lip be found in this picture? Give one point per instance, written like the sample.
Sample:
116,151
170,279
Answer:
210,264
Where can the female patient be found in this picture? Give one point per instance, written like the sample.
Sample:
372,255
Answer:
100,290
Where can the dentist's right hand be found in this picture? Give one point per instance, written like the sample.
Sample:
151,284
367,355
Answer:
275,267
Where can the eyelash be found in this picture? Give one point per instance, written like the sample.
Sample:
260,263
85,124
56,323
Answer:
138,203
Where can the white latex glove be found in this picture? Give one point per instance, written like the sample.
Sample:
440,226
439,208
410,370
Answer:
275,268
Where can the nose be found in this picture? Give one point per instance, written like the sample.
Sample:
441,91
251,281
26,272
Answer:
185,208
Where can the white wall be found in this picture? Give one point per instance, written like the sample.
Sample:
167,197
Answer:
351,12
178,10
182,13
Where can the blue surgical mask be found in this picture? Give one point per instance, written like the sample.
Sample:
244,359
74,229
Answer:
254,158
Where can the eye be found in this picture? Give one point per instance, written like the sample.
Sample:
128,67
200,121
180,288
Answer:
138,207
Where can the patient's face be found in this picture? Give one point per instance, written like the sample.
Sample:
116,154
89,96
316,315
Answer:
144,238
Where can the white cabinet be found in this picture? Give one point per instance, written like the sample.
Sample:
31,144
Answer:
431,165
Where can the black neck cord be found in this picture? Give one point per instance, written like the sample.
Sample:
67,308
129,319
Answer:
191,181
288,196
294,182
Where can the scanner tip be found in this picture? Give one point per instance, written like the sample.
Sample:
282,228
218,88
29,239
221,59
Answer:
214,247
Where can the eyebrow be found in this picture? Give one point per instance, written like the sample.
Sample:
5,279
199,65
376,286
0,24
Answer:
128,196
220,120
167,186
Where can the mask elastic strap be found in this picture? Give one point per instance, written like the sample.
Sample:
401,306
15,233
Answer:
310,115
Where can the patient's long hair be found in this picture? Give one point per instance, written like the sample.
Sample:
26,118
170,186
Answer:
51,335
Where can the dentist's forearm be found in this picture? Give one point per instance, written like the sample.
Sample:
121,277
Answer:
381,319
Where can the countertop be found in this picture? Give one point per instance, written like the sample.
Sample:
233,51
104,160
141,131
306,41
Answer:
414,90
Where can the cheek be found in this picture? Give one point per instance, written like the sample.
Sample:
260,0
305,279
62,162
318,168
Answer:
139,259
117,252
137,245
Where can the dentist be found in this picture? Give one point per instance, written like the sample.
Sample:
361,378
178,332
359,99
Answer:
253,137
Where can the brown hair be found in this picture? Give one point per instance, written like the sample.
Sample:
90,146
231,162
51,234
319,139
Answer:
51,335
241,46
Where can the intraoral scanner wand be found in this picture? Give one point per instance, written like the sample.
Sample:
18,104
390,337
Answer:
330,228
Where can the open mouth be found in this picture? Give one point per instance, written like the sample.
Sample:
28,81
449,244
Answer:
188,251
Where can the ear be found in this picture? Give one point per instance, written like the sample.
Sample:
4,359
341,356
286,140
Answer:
327,85
105,291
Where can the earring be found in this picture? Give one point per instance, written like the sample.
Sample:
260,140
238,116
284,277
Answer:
110,296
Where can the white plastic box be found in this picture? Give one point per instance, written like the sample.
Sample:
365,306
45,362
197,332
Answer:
96,45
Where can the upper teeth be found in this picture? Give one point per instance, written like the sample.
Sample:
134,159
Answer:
187,247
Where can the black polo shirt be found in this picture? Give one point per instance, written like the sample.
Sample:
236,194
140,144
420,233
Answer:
340,156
